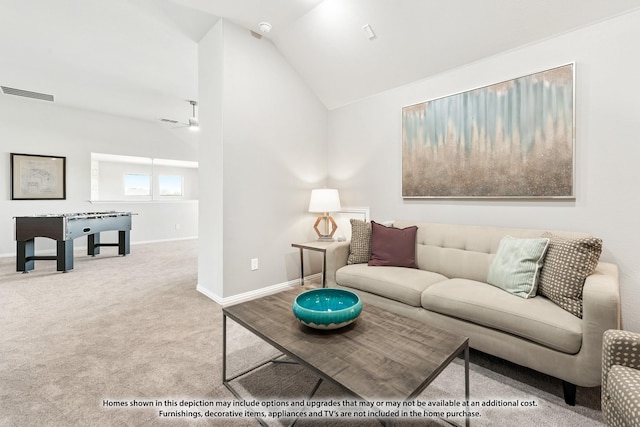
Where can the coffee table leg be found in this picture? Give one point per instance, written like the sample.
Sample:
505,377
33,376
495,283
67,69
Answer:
224,348
227,381
466,382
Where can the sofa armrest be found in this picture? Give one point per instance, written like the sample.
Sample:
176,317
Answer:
336,257
601,300
600,312
619,348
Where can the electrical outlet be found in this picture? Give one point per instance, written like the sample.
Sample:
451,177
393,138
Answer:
254,264
177,226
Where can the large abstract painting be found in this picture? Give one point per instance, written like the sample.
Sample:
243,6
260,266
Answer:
509,139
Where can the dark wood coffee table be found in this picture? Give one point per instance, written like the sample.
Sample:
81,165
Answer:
381,356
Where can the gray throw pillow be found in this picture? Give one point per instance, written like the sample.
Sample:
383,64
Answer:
566,267
360,245
517,264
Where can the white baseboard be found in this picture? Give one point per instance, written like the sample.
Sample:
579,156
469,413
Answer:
175,239
248,296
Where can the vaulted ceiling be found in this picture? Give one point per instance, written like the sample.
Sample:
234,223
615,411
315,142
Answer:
138,58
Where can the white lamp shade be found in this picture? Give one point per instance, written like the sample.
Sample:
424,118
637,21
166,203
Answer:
324,200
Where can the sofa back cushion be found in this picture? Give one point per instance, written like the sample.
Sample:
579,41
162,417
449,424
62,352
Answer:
465,251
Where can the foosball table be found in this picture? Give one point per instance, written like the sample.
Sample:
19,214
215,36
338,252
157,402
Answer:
64,228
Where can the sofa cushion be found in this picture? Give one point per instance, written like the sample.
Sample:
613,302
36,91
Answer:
360,245
465,251
535,319
567,264
392,246
397,283
623,391
517,264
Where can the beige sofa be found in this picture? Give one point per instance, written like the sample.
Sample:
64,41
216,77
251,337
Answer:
449,290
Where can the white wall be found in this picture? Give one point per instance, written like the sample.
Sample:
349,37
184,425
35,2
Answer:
263,149
365,152
211,88
39,127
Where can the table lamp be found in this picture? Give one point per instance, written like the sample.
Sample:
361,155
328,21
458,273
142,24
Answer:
325,200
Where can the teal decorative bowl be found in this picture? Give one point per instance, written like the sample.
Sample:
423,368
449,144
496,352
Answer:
327,308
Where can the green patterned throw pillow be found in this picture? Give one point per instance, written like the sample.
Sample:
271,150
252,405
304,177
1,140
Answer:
566,267
360,246
517,264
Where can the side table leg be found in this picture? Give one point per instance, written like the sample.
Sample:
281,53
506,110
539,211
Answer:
301,267
324,269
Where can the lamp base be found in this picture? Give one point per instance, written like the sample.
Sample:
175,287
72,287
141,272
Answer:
326,236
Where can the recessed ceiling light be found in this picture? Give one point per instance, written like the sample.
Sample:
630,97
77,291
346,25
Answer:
265,27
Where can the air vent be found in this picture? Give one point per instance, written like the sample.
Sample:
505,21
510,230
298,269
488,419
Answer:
26,93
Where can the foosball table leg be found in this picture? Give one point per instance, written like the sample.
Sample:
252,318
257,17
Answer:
24,255
93,244
64,253
124,246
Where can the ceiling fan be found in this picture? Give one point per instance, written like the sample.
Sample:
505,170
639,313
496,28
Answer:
193,124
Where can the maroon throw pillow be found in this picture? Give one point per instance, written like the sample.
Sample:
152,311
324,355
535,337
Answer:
392,246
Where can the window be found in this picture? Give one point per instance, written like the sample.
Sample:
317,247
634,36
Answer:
137,185
170,185
131,178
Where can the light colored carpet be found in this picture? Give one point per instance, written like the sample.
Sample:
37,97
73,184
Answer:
119,329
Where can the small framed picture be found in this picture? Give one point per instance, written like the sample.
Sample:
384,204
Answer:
38,177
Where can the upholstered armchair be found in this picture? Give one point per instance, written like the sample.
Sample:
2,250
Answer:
621,378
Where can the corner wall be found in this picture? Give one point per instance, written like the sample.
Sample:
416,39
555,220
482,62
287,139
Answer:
211,88
263,148
365,152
